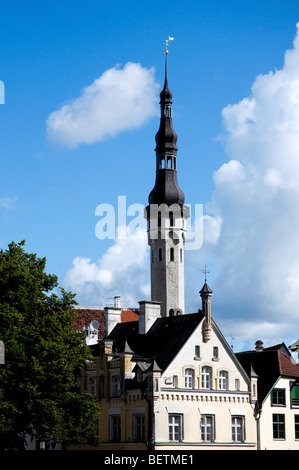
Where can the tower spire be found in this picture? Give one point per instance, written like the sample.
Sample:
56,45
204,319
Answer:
166,188
166,215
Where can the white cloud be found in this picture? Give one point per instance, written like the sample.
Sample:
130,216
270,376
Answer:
119,100
229,173
122,270
257,197
8,202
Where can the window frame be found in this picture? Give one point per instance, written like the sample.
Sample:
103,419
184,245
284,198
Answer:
204,428
189,375
206,378
175,427
114,428
138,427
223,380
278,427
238,428
275,397
296,427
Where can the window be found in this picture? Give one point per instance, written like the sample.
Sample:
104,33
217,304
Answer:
223,380
139,428
189,378
171,219
92,385
160,254
159,219
278,426
171,254
215,353
295,396
115,386
206,377
175,381
197,351
296,417
114,428
238,428
207,428
278,397
175,427
237,384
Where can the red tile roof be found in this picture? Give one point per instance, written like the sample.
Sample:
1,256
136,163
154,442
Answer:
269,364
85,315
287,367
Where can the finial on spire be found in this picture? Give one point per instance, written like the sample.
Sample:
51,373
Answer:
205,272
166,43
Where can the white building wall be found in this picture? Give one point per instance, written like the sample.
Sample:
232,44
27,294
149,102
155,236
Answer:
266,421
196,402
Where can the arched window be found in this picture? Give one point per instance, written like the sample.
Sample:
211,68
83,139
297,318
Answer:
171,219
171,254
159,219
206,377
189,378
171,312
223,380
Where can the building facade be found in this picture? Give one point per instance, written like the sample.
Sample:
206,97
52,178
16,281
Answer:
167,380
277,406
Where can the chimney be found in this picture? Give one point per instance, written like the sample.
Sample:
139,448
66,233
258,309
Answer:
206,294
117,301
112,317
149,312
259,346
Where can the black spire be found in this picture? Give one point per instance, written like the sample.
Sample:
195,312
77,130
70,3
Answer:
166,188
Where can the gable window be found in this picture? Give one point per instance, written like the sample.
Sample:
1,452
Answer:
223,380
278,397
278,426
215,353
175,427
206,377
238,428
189,378
207,428
197,351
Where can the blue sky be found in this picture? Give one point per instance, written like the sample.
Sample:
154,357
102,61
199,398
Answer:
225,59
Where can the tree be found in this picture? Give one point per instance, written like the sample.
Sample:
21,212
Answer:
43,356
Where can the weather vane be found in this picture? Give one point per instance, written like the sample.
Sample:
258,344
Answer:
205,272
166,43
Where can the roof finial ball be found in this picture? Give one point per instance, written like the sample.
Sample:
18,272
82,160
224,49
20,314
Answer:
166,43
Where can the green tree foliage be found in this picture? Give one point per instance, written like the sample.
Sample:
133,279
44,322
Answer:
43,356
